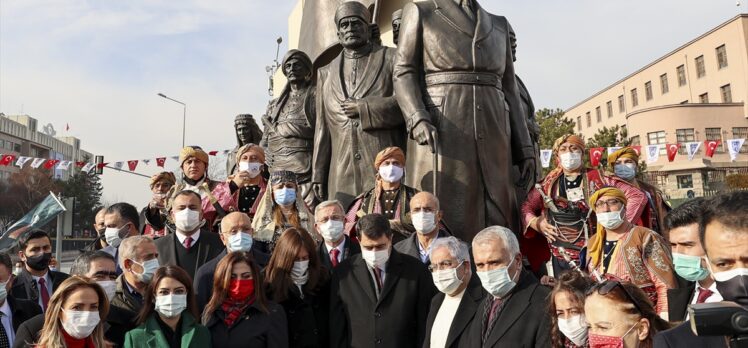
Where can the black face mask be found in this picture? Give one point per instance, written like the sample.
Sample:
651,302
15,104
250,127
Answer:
39,262
734,289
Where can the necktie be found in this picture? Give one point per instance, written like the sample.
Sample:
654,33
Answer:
378,276
4,341
334,257
703,295
44,293
188,243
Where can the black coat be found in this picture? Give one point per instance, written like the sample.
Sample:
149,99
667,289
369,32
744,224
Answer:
209,246
118,323
202,283
409,246
308,317
679,298
21,311
253,329
25,288
682,336
349,249
396,319
523,322
469,304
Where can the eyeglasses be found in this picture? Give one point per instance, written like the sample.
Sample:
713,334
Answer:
608,286
611,203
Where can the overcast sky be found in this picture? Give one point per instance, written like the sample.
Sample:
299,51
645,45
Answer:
97,65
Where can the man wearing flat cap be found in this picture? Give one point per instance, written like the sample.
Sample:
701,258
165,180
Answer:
161,183
357,114
288,138
247,132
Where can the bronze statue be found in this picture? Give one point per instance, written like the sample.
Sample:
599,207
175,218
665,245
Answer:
357,115
454,78
397,18
247,132
289,123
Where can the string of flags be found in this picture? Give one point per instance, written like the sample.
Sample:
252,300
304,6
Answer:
88,167
653,151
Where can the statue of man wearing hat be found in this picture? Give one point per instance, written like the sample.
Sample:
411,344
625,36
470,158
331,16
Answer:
247,132
288,137
357,114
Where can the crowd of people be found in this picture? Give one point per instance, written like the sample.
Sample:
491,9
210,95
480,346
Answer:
602,262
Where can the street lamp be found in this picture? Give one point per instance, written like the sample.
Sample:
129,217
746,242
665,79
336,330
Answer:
184,115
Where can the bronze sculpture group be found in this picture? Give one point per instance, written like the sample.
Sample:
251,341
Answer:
447,95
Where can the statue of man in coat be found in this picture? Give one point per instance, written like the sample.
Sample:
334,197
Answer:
357,114
247,131
454,78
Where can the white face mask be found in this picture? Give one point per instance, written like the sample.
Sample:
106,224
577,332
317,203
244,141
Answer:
571,160
109,286
240,241
497,281
114,236
391,173
331,230
187,220
610,220
253,168
149,269
171,306
574,329
446,280
424,222
375,258
80,324
299,273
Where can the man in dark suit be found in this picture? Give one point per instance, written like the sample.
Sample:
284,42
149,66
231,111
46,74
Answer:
236,234
189,246
36,282
379,298
121,221
724,237
329,221
14,311
425,215
514,313
460,294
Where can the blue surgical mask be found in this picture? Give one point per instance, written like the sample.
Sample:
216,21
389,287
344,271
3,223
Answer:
149,269
689,267
240,241
497,281
284,196
625,171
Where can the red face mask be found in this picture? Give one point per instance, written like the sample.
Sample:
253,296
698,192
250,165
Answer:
241,289
601,341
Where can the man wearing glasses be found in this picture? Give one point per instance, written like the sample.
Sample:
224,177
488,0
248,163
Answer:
329,223
453,308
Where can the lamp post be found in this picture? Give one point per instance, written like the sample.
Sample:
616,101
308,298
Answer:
184,115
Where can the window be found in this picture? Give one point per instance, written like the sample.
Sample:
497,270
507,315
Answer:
621,104
648,90
589,119
663,84
634,98
682,136
721,56
2,143
704,98
700,69
656,138
635,141
609,106
579,122
715,134
598,114
9,145
685,181
17,147
681,70
741,132
726,92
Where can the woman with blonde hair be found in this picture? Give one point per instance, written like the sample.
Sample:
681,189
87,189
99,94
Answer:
73,317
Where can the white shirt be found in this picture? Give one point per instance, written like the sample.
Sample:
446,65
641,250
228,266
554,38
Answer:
47,284
195,236
714,297
340,247
7,320
443,320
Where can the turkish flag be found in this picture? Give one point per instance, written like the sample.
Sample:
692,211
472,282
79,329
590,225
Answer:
596,153
132,164
80,164
672,150
213,153
7,160
51,163
160,161
711,146
638,150
101,165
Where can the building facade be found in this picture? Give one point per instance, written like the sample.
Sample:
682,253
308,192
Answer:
20,135
695,93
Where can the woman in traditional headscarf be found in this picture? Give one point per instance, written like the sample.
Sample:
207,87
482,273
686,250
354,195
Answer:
624,164
247,183
623,251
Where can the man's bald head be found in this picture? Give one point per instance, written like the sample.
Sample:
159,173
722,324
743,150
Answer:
424,199
235,220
